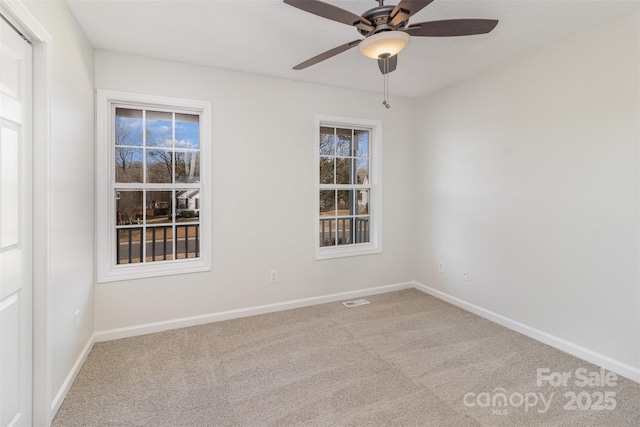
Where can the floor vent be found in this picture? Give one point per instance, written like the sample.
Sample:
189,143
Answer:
356,303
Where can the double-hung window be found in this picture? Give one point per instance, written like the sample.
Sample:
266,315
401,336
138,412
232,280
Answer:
348,198
153,194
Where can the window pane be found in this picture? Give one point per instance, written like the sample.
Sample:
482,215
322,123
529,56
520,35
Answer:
128,207
343,171
187,131
128,249
363,202
327,203
343,143
159,207
326,170
362,171
361,232
344,231
128,164
327,232
159,241
345,203
187,241
128,127
159,166
187,166
327,142
361,143
187,205
159,132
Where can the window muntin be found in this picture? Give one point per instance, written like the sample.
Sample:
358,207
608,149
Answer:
152,212
346,223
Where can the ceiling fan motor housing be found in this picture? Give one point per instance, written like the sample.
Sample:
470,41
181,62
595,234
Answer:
380,17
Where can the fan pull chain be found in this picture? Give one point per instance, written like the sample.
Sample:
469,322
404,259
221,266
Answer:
386,92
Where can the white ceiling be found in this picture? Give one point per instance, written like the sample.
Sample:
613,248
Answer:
269,37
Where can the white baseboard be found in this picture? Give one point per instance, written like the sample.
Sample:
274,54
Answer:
150,328
71,377
583,353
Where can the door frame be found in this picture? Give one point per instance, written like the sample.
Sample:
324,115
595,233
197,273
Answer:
42,48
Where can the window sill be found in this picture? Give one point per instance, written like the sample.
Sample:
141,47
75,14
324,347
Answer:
144,271
347,251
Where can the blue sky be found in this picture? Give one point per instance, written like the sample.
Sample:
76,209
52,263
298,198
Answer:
187,134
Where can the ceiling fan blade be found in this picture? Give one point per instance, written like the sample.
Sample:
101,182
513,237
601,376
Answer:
332,12
326,55
388,65
411,6
452,27
401,16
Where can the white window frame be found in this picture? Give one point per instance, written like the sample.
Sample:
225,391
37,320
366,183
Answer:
375,181
107,269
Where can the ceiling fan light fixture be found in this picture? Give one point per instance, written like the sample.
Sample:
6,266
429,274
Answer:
384,44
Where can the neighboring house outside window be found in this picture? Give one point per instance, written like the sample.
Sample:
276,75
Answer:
153,167
348,196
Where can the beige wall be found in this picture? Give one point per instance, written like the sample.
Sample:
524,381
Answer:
529,177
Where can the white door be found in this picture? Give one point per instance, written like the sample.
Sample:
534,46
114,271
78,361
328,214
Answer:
15,228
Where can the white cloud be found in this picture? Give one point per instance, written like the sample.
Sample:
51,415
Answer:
186,143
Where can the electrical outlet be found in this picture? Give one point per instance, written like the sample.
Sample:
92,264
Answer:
465,274
273,276
77,318
441,266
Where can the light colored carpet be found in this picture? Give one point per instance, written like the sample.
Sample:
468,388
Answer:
404,359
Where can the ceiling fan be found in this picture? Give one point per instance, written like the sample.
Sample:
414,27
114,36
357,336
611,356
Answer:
385,29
